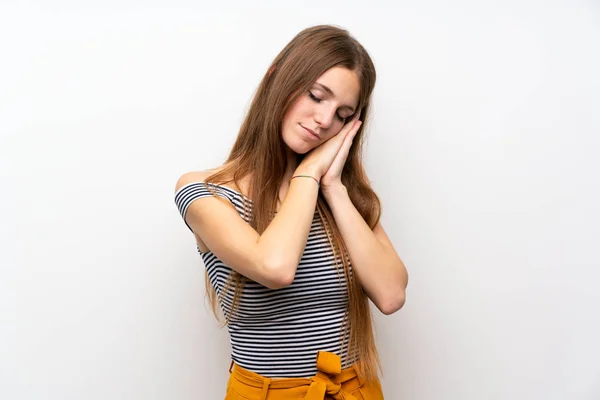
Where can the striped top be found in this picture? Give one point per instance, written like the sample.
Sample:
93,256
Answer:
277,333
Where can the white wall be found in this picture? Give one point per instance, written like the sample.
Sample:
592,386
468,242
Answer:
484,149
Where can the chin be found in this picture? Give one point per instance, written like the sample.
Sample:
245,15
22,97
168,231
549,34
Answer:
298,146
301,151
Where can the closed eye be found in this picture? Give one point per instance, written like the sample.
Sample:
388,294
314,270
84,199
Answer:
315,98
318,100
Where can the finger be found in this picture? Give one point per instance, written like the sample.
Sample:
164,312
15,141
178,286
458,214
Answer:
346,145
355,129
340,158
350,124
346,129
357,126
349,129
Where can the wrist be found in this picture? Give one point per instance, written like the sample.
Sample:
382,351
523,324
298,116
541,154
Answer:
334,190
307,169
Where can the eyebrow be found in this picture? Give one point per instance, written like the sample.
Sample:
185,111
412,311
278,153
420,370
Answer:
325,88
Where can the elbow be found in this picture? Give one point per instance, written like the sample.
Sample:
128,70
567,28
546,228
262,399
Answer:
279,283
392,303
395,298
279,277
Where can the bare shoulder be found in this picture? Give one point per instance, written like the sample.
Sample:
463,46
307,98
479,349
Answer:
201,176
195,176
196,214
191,177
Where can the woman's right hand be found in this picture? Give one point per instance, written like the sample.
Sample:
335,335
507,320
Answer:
319,159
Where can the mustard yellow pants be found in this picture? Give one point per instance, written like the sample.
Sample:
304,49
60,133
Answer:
330,382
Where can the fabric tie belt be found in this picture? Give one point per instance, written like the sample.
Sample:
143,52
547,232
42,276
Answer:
327,381
329,378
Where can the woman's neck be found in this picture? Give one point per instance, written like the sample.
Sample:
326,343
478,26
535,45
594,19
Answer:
292,161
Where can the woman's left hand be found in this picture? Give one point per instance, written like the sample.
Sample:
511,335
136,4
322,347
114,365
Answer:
333,177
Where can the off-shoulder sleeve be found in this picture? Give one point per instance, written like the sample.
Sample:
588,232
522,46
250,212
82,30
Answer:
191,192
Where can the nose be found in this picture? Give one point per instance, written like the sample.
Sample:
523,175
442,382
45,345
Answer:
324,117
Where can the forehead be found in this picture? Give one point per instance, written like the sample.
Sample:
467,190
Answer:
343,83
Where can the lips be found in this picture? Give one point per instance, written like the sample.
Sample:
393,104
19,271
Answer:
311,132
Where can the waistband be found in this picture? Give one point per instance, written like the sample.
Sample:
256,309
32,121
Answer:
328,380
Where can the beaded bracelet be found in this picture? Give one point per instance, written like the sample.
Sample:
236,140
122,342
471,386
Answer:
306,176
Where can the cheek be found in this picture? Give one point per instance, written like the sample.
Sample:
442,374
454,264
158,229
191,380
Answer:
300,108
335,128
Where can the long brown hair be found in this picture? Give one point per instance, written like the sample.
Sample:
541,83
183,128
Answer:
260,153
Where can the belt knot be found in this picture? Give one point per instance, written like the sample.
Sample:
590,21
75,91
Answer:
329,365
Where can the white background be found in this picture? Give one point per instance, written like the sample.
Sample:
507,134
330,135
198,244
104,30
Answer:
484,148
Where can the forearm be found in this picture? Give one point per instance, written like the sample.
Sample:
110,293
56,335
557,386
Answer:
378,267
283,241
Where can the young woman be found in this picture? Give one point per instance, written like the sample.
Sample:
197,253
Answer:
288,229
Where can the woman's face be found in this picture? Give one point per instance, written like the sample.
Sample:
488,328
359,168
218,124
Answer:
322,111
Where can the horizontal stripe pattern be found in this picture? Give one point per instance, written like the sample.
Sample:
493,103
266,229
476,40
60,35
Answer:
277,333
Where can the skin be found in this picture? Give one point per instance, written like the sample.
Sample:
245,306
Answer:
331,114
325,109
271,258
